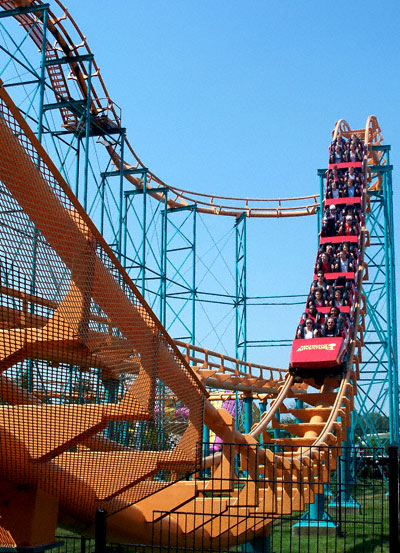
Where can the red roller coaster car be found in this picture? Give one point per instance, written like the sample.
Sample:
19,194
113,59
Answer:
322,352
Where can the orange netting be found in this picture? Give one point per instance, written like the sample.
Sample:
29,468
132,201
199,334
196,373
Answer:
98,407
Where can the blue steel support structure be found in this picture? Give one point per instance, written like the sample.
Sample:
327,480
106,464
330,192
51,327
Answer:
241,288
179,245
378,386
41,85
75,140
377,401
241,313
158,258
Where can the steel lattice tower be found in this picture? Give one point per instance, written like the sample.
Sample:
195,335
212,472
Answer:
377,397
378,384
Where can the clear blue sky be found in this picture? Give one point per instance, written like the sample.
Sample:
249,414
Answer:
239,98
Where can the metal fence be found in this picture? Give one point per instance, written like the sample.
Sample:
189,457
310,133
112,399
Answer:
356,511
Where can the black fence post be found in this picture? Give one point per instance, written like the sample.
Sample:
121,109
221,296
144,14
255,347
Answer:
394,540
100,531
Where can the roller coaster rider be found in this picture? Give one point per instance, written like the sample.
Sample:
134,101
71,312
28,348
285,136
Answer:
353,175
324,264
353,154
319,298
331,328
334,191
336,155
330,221
339,298
312,313
344,263
321,282
351,190
348,227
307,330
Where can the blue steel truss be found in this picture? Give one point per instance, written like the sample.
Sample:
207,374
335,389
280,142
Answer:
179,243
378,387
241,292
378,393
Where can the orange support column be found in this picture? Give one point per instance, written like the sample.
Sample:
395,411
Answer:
28,517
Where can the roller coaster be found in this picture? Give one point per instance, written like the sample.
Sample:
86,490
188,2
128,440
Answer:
100,407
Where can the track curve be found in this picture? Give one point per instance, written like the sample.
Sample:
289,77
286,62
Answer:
71,42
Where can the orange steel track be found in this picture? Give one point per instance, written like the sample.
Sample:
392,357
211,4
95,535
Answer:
61,461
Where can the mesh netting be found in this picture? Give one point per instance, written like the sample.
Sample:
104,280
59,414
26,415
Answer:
98,407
